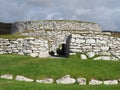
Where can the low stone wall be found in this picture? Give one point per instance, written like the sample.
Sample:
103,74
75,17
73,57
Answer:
27,46
54,25
67,79
100,44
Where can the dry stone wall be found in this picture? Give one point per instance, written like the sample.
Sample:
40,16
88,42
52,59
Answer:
54,25
55,31
96,44
86,38
27,46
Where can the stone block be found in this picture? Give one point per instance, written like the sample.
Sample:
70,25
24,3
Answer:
90,41
83,56
105,48
34,54
80,41
102,58
22,78
81,81
95,82
90,54
43,54
110,82
7,76
46,81
66,80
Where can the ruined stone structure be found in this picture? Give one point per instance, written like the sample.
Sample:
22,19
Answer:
65,37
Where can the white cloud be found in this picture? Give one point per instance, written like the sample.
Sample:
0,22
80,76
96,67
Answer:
105,12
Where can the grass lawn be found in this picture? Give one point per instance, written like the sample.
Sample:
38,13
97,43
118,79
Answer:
15,85
38,68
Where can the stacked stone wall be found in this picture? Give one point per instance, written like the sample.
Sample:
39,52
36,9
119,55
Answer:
27,46
99,44
54,25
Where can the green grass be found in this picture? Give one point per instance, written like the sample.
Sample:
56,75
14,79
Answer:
15,85
12,36
38,68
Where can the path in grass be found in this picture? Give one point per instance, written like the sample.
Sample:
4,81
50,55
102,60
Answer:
38,68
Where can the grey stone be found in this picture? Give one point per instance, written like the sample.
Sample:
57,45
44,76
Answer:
73,40
102,58
81,81
34,54
90,41
83,56
110,82
46,81
90,54
101,42
7,76
104,48
95,82
80,41
66,80
105,53
44,54
22,78
72,54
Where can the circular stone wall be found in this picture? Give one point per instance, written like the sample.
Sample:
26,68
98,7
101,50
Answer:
21,26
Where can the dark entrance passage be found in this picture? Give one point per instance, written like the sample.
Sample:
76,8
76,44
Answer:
61,51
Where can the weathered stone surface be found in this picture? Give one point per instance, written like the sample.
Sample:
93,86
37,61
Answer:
90,41
95,82
83,56
81,81
90,54
110,82
44,54
80,40
112,58
104,48
102,58
34,54
22,78
72,54
101,41
66,80
105,53
58,25
46,81
7,76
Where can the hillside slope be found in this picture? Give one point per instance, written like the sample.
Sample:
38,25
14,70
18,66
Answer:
5,28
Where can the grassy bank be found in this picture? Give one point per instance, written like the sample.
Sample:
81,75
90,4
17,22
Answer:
38,68
14,85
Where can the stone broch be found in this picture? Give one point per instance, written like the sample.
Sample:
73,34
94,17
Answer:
47,36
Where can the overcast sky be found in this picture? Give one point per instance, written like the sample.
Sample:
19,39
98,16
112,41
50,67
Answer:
104,12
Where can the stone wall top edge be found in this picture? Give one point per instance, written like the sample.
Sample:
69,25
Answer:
76,21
